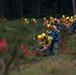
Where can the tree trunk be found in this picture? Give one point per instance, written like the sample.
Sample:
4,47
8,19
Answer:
7,66
61,7
39,9
13,8
74,7
14,55
17,9
2,14
21,10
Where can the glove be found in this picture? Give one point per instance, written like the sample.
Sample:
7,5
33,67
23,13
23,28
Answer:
37,49
34,38
40,43
39,52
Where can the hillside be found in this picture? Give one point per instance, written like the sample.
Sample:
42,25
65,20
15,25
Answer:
17,34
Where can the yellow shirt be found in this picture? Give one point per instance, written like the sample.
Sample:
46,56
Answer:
52,21
64,20
70,22
47,41
45,22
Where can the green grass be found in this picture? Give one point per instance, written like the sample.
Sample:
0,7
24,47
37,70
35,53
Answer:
72,42
46,67
16,32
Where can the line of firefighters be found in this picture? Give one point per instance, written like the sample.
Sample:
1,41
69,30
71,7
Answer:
51,38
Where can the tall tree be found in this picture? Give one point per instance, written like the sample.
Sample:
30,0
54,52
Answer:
74,6
3,8
21,8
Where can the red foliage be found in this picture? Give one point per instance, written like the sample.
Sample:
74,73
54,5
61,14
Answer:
66,51
26,52
24,47
63,51
32,53
3,49
3,45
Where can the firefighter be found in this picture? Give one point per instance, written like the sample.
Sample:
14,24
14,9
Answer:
56,39
26,21
34,20
45,22
63,18
45,41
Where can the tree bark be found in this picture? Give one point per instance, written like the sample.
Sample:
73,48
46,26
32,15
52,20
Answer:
74,7
21,9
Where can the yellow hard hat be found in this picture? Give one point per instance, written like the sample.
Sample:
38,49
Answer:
39,37
33,19
43,35
75,16
55,19
51,17
67,18
48,25
71,17
63,16
44,18
25,19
